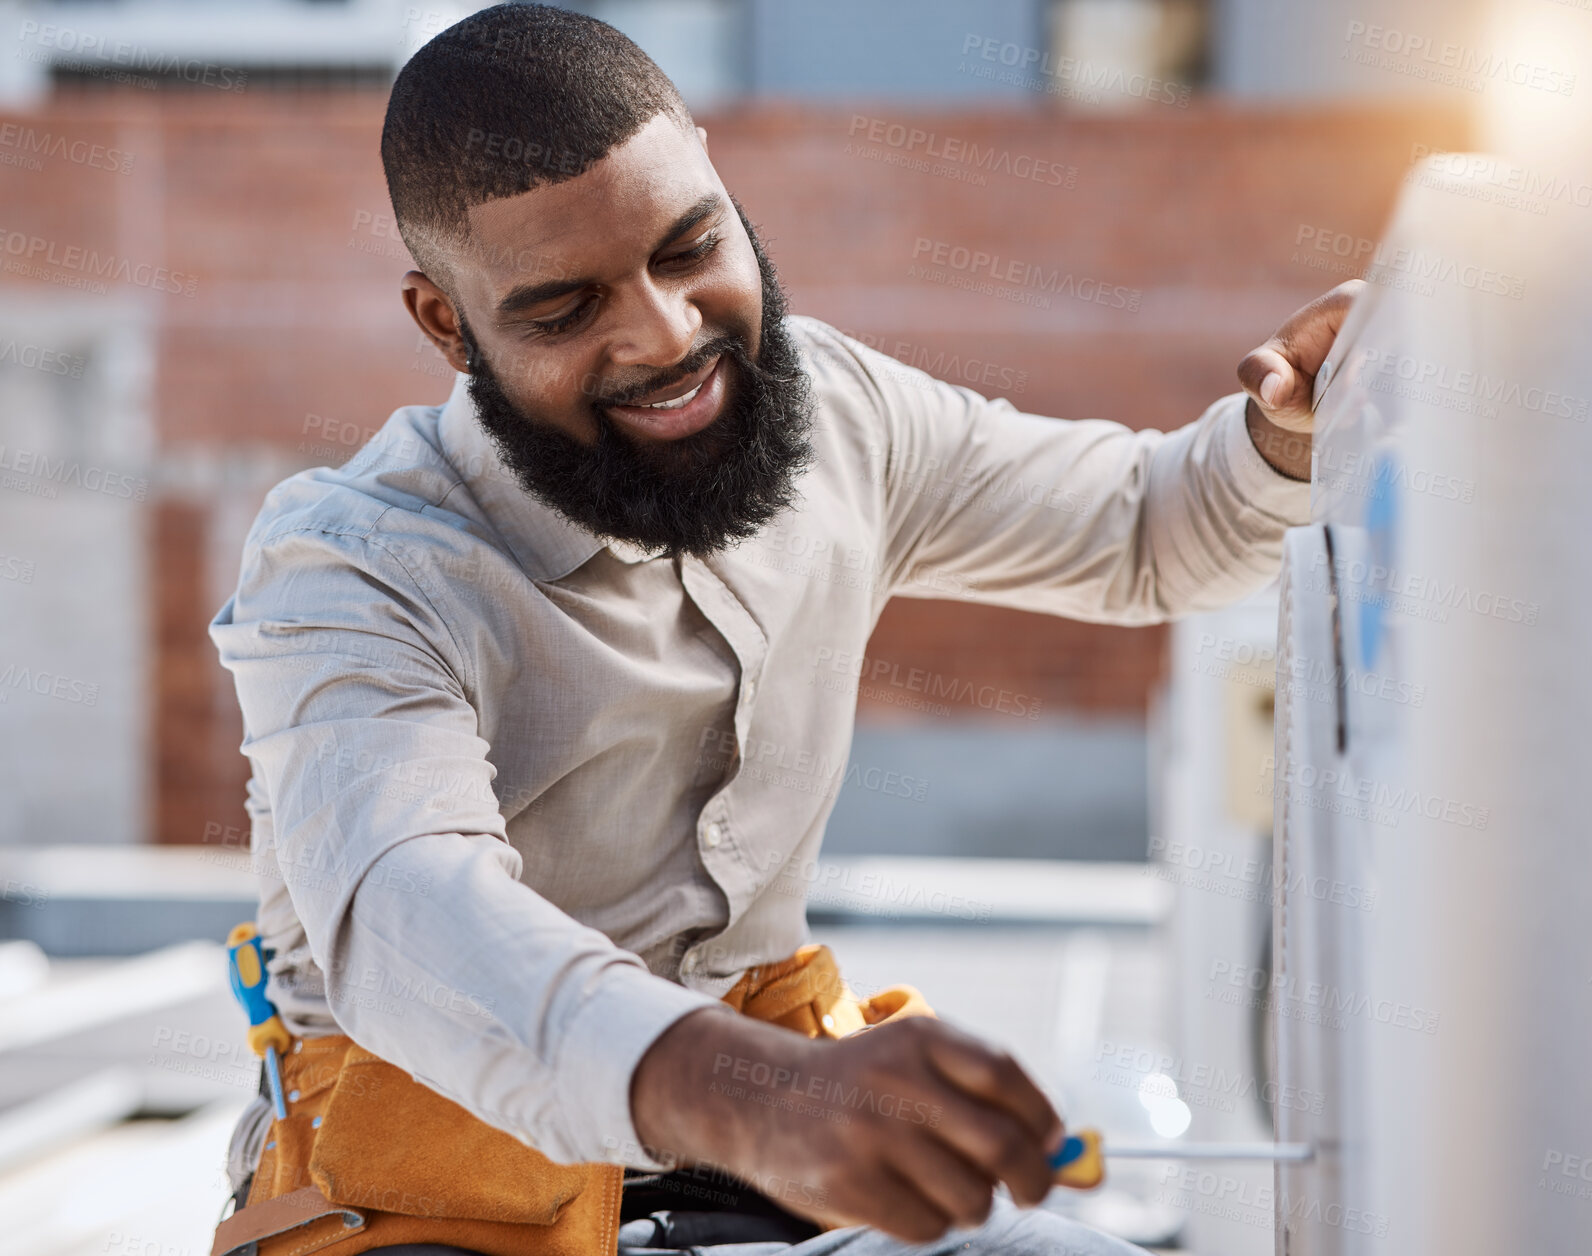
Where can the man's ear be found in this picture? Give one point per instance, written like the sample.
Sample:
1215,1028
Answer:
702,135
433,312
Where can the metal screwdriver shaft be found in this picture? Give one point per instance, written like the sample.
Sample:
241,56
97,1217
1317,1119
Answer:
1080,1161
1295,1152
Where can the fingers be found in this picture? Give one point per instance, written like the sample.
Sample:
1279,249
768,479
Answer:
1280,374
1308,334
956,1188
1270,378
995,1077
899,1207
998,1146
983,1122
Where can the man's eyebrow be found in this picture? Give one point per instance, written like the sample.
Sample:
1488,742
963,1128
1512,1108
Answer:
708,205
528,295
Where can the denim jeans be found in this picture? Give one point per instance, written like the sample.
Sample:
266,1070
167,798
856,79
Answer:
1010,1231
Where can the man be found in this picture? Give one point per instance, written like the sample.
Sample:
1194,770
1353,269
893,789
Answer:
529,685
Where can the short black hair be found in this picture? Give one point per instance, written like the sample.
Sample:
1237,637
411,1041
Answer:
511,98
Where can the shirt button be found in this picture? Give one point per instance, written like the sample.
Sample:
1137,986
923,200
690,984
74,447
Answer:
714,835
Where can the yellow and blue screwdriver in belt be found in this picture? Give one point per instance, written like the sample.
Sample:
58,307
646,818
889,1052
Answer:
1080,1160
268,1036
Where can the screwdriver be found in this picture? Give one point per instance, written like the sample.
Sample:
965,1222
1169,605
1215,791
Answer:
268,1036
1079,1162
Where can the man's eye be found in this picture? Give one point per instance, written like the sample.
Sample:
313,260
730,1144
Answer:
696,253
555,326
568,322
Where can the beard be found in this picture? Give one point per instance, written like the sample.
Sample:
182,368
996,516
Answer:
693,495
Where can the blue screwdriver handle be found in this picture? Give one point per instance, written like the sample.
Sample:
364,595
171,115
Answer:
268,1036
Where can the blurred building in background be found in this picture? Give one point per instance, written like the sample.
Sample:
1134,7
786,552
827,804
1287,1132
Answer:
198,296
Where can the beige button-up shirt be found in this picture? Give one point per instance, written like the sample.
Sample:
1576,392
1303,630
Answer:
521,799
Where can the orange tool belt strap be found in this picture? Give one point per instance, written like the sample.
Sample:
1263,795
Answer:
369,1157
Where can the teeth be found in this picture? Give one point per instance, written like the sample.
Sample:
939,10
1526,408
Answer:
676,403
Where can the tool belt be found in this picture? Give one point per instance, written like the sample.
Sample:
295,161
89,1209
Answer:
368,1157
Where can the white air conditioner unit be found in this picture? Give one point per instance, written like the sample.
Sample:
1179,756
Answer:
1432,933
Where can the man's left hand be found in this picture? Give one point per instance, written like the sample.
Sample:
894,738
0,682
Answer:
1280,379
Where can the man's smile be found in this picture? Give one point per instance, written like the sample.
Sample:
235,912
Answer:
684,407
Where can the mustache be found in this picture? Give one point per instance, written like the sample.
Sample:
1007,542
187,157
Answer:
688,366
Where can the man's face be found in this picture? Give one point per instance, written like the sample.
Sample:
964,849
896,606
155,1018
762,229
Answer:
628,358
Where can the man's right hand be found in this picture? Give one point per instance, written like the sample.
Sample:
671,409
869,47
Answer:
906,1127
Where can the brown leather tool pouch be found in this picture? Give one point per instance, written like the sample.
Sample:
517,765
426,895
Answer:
372,1157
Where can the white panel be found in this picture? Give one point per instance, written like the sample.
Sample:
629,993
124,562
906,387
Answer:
1452,451
1206,841
1329,897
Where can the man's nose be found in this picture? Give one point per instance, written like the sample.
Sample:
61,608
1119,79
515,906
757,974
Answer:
657,326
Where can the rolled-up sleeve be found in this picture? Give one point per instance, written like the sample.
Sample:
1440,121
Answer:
390,843
1085,518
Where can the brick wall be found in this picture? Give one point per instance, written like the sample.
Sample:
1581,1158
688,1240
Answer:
292,342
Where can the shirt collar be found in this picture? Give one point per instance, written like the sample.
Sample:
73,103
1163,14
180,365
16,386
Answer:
546,545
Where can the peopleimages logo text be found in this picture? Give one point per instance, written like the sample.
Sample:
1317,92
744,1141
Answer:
1034,275
37,251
